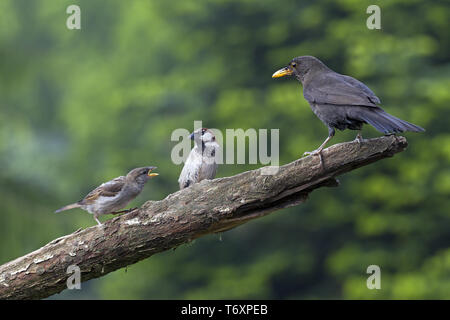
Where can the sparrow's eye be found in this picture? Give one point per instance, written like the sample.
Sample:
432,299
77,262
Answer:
293,64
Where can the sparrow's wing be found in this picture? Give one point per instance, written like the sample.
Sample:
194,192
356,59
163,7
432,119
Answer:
338,89
208,171
107,189
209,166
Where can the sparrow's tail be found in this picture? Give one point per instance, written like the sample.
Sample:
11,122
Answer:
69,206
386,123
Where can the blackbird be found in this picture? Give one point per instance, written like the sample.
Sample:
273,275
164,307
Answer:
114,194
340,101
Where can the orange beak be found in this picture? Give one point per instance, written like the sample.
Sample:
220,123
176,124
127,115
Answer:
150,174
286,71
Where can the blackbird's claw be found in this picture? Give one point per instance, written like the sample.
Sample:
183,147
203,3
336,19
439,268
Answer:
317,152
312,153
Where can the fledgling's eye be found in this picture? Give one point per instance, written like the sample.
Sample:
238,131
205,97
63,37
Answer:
293,64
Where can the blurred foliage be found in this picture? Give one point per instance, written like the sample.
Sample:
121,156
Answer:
81,107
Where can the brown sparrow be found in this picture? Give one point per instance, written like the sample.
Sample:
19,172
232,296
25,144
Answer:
114,194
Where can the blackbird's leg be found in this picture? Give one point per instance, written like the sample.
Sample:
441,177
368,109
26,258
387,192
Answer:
319,150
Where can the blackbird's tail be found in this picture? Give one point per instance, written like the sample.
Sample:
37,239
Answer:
69,206
386,123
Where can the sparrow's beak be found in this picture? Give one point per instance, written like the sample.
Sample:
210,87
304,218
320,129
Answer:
286,71
150,174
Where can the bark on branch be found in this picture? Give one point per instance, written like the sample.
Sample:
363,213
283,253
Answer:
206,207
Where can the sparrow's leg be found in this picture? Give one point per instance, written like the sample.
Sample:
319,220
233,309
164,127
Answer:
96,219
359,137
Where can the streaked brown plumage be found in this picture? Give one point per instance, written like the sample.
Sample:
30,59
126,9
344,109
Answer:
113,195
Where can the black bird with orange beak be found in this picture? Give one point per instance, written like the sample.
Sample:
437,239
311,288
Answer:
340,101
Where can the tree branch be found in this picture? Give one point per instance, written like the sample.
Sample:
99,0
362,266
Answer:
206,207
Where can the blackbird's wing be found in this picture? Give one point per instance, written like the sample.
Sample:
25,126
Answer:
358,84
107,189
338,89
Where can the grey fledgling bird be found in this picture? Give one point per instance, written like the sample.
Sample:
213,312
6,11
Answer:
201,163
115,194
340,101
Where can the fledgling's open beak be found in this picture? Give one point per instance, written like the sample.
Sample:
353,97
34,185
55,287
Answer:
150,174
286,71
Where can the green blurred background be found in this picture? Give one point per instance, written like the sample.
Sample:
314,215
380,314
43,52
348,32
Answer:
79,107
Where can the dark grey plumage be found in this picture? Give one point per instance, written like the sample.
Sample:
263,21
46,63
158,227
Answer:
113,195
340,101
201,163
